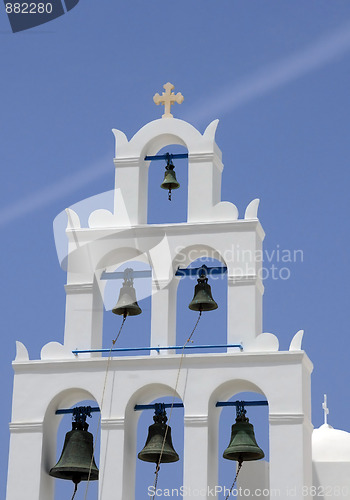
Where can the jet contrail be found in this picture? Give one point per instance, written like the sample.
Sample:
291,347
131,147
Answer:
311,58
55,191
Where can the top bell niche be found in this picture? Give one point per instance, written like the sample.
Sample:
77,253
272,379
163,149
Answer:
204,203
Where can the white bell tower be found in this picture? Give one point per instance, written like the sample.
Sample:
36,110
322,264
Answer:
65,378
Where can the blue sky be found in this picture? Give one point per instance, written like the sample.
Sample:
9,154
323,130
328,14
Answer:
276,74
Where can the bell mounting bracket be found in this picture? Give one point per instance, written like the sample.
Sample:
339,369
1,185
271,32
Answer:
121,274
80,414
240,405
168,157
128,276
182,272
201,272
159,408
241,411
160,413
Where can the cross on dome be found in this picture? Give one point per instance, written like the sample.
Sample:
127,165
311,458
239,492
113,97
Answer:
325,408
168,98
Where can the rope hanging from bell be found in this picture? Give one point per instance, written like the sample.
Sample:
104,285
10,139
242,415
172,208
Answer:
235,479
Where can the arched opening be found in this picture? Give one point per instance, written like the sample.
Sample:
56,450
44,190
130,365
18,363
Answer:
212,327
253,474
170,476
160,209
86,489
136,330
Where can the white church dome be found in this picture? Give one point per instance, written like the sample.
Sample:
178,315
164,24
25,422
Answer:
330,445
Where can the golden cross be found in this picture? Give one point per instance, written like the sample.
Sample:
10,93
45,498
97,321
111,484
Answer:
168,98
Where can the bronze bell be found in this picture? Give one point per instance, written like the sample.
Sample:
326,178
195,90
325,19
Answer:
77,457
152,451
243,446
202,299
170,181
127,304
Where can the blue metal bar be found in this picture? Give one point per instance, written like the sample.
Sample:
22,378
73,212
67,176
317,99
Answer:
120,274
174,405
71,410
167,156
180,272
193,271
153,406
242,403
171,347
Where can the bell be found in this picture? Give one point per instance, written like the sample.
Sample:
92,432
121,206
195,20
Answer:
152,451
170,181
77,456
202,299
243,446
127,304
